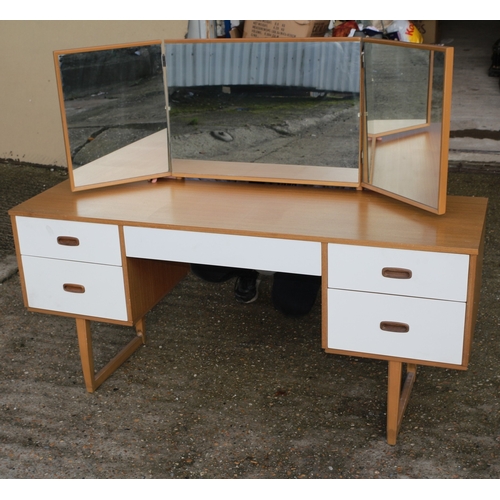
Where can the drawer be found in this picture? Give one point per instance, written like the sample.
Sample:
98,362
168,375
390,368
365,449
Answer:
400,272
248,252
59,239
102,295
370,323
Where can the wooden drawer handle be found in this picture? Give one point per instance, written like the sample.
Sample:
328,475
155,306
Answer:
73,288
397,273
68,241
394,327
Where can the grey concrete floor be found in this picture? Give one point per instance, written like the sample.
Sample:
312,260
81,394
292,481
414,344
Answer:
230,391
475,123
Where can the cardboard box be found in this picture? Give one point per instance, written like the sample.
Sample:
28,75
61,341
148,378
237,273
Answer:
284,29
429,30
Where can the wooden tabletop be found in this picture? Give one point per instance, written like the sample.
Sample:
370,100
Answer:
323,214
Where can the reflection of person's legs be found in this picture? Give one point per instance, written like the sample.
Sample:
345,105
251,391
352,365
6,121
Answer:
295,294
246,287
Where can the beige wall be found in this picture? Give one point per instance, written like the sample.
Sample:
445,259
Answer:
30,120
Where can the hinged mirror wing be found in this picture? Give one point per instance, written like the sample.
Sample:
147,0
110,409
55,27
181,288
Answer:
113,113
407,121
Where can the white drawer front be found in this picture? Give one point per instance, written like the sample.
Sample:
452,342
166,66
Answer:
248,252
433,275
104,295
436,327
59,239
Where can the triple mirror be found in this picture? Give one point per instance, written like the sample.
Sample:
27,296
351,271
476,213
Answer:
322,111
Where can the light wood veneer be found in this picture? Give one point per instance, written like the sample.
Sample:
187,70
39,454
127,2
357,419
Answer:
350,238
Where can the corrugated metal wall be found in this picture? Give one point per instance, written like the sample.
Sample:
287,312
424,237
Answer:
323,66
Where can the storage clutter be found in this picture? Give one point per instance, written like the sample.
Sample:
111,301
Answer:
406,31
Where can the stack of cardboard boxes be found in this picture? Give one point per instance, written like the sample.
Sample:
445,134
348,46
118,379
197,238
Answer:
285,29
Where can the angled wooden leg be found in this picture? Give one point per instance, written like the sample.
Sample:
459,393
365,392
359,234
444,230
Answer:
86,353
92,380
397,399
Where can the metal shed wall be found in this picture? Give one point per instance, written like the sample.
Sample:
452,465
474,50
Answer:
324,66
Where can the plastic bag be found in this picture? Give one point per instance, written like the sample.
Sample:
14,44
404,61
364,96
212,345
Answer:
406,31
345,29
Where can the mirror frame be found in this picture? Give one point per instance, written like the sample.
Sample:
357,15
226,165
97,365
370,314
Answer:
182,168
442,177
149,153
313,174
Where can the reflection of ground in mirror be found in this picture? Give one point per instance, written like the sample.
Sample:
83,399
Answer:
265,125
116,116
397,82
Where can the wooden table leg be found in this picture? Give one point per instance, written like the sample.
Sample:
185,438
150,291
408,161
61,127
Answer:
140,328
92,380
397,399
86,353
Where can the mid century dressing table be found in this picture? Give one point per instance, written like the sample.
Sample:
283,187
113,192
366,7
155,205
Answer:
412,265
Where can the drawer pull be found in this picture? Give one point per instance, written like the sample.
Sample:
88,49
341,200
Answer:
72,288
68,241
394,327
397,273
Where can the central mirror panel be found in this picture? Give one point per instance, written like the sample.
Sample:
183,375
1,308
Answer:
114,113
273,110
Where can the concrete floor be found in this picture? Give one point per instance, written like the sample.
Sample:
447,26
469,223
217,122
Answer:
230,391
475,121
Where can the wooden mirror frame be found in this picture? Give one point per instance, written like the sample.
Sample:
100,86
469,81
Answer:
253,54
141,159
156,151
426,185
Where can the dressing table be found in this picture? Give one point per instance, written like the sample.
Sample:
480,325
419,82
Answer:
398,283
366,208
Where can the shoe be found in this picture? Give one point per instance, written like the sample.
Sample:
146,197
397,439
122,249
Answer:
246,287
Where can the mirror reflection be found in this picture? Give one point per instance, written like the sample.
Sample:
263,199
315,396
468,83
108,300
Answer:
404,102
273,110
115,113
262,104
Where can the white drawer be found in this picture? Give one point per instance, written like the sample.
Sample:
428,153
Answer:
362,322
248,252
59,239
409,272
96,290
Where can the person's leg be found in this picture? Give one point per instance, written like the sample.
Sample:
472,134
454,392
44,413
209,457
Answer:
295,294
246,287
214,274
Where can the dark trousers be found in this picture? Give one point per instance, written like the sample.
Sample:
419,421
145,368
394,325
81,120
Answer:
292,294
